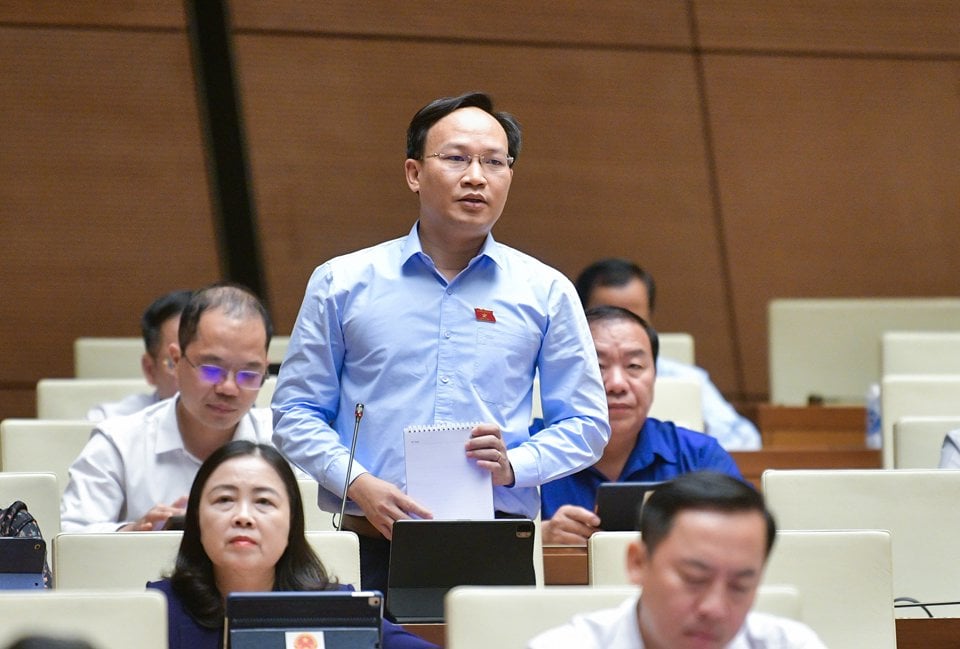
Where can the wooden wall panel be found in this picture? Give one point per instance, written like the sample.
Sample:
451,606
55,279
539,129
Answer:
838,178
104,195
659,23
900,27
328,157
140,14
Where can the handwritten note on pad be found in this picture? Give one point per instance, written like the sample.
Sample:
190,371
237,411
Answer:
441,477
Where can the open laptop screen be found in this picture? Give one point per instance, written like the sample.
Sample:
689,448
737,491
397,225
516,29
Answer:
332,619
428,558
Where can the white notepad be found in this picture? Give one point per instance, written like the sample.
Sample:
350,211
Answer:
441,477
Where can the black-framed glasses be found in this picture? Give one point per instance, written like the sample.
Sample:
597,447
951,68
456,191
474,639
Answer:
490,162
215,375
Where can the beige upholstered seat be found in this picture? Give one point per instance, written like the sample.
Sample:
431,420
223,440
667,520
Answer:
107,620
677,346
914,504
39,491
912,395
42,445
73,398
844,577
130,559
831,346
481,617
119,358
920,352
917,441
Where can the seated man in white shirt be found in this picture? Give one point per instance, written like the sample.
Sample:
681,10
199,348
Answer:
704,540
136,470
158,325
618,282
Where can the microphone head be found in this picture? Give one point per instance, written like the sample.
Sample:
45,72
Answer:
358,413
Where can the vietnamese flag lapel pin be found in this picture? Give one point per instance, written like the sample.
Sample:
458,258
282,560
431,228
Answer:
484,315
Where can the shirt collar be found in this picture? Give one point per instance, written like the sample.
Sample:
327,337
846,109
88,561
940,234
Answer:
413,248
649,444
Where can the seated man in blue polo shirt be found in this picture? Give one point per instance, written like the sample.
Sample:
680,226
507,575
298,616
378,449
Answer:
640,448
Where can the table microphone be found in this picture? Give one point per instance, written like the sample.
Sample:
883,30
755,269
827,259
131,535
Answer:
357,416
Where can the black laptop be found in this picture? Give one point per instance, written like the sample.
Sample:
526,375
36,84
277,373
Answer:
332,619
21,562
428,558
618,504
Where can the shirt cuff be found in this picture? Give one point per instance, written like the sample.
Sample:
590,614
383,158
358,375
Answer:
526,468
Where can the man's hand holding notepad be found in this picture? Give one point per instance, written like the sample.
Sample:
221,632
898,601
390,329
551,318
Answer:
441,477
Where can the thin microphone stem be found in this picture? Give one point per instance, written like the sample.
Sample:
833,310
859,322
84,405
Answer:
357,415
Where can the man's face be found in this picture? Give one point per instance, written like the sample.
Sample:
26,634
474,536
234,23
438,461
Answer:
700,582
456,204
233,344
628,372
159,369
632,296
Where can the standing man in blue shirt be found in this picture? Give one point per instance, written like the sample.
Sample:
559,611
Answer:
641,448
441,325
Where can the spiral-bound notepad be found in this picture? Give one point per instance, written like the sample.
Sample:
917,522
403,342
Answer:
441,477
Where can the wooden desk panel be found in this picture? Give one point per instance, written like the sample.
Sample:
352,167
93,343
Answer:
813,426
752,464
565,565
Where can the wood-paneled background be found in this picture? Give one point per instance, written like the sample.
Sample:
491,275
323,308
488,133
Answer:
742,150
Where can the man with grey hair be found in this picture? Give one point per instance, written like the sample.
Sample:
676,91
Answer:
136,470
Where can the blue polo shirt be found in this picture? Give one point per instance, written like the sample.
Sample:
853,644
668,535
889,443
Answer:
663,451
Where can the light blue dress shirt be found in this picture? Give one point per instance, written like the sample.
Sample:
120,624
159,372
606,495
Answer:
383,327
734,431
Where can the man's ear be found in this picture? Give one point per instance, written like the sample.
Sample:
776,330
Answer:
173,354
147,365
637,560
412,170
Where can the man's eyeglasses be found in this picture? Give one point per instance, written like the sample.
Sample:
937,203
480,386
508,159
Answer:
215,375
490,162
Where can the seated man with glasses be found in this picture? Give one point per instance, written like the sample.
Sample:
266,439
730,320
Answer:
136,470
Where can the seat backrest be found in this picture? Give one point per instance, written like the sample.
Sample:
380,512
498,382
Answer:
912,395
917,441
113,560
831,346
42,445
845,579
914,504
315,519
523,612
73,398
131,559
678,400
107,358
920,352
41,495
266,392
677,346
340,554
119,358
106,620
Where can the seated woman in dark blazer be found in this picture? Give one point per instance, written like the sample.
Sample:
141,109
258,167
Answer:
244,531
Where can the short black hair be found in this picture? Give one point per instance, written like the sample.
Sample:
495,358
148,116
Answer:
606,313
160,310
437,109
237,301
699,490
613,271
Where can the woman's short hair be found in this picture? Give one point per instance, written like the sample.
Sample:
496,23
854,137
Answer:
298,568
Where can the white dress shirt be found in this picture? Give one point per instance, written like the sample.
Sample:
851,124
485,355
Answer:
134,462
